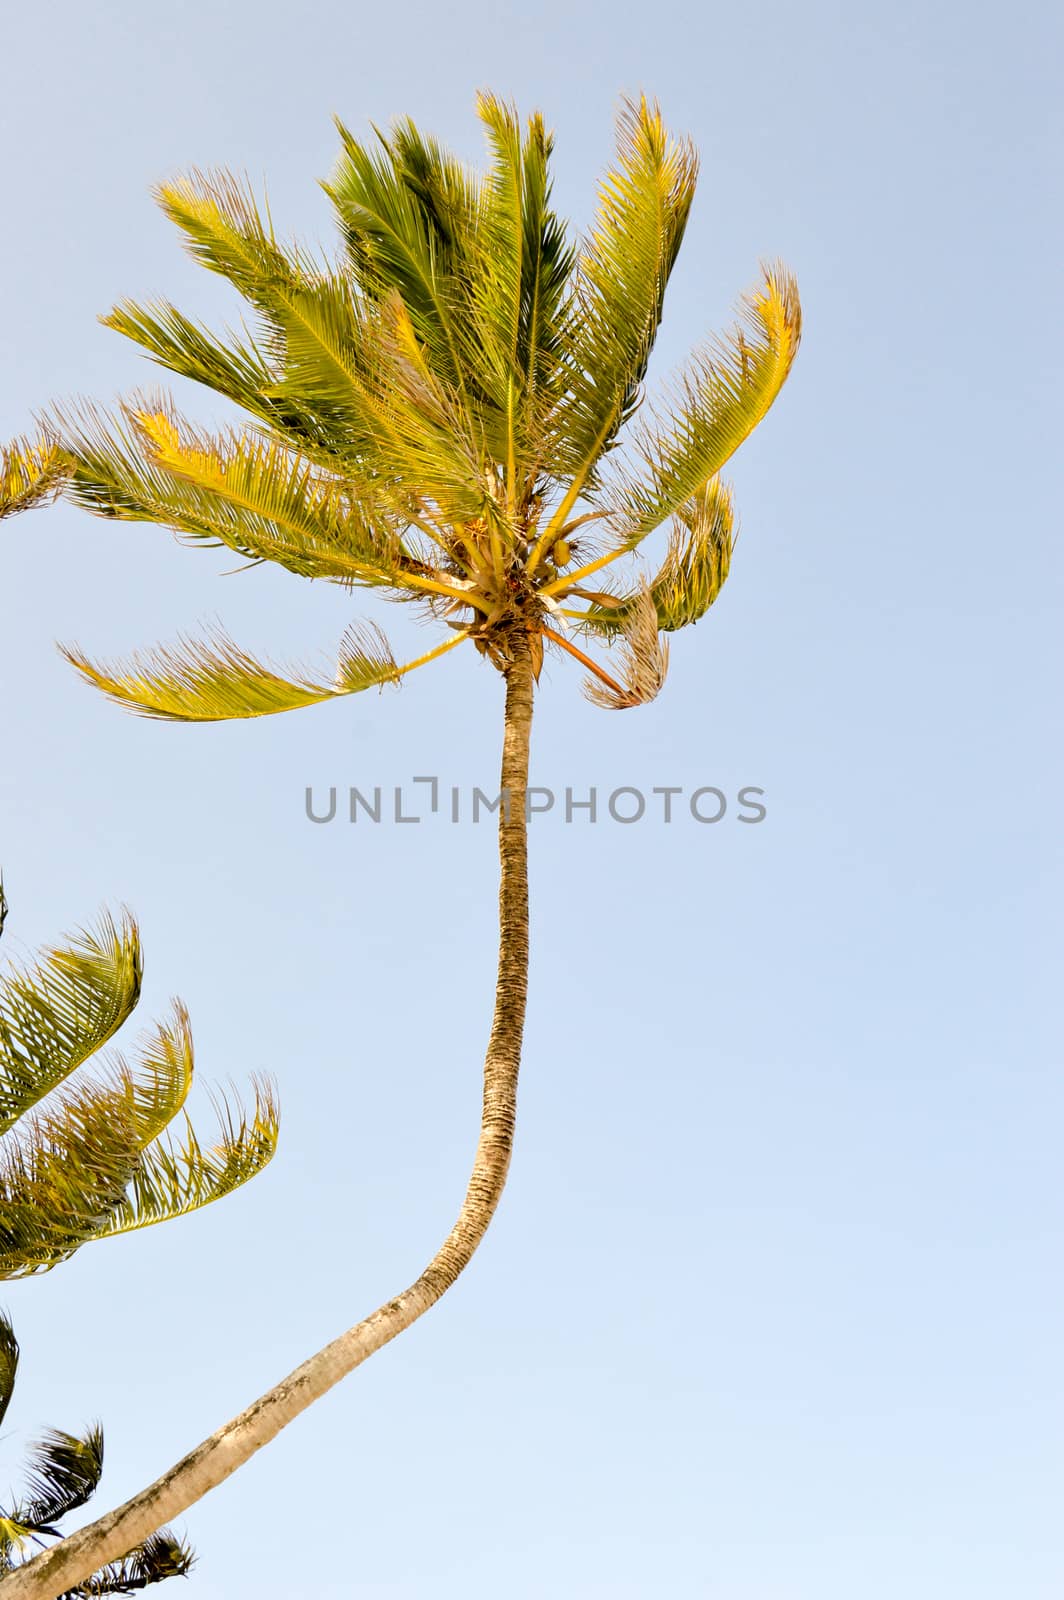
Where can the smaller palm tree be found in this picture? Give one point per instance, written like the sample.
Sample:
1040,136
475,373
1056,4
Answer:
64,1472
92,1159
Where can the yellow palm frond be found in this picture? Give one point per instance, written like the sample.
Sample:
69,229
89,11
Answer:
225,231
31,473
691,577
621,274
176,1175
698,558
711,408
213,680
257,496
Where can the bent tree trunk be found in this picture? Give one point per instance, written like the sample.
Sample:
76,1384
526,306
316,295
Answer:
74,1559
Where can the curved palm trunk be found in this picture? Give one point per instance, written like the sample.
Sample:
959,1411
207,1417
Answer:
77,1557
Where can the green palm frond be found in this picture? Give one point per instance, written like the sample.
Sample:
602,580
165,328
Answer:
327,351
225,231
64,1472
177,1175
8,1364
162,1556
496,283
315,329
546,267
63,1173
157,1088
712,408
698,558
255,495
236,369
407,212
517,283
621,274
54,1016
90,1154
442,446
241,371
212,679
693,572
31,473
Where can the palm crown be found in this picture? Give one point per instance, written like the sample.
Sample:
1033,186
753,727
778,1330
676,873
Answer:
86,1155
92,1158
437,415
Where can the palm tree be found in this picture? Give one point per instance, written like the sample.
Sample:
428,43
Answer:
64,1472
438,416
90,1154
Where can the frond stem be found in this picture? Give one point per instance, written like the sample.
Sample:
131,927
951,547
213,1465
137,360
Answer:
563,584
432,655
592,666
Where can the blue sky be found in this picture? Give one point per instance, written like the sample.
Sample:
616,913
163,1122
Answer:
772,1309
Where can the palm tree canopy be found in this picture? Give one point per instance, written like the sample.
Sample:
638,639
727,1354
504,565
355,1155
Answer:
445,413
89,1154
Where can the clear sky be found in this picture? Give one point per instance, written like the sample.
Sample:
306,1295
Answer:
772,1309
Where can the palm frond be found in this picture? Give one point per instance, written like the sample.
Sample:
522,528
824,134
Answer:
715,405
691,576
436,451
63,1474
259,496
496,287
104,1161
270,503
516,282
646,660
55,1015
407,212
546,266
31,473
698,558
63,1174
225,231
237,369
213,680
162,1556
8,1364
175,1176
156,1089
13,1536
86,1156
316,328
620,278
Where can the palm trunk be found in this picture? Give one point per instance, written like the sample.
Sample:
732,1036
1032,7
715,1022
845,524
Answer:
83,1553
